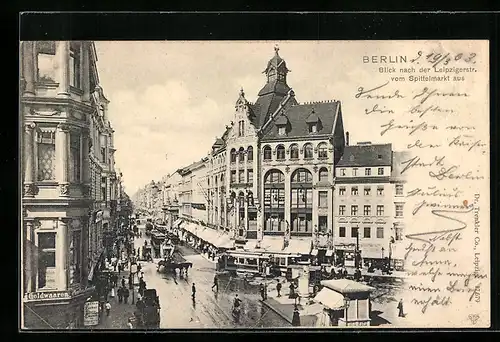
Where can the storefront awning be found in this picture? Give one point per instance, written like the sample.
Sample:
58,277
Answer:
298,246
329,298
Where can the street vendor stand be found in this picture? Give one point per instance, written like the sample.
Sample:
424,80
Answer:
349,300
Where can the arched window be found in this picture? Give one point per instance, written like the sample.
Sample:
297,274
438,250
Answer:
241,154
274,201
301,202
308,151
322,151
233,156
294,152
323,174
267,152
250,153
280,152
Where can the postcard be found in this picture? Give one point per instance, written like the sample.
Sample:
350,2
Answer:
255,184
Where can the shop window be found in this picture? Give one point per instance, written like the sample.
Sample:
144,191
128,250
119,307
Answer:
46,156
323,199
367,232
274,198
301,198
301,222
46,260
274,222
341,231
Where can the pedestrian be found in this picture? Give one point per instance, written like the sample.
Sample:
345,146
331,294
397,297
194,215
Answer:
129,324
123,281
108,308
262,291
296,317
216,284
193,291
119,267
139,267
126,294
291,295
120,295
278,288
400,308
112,294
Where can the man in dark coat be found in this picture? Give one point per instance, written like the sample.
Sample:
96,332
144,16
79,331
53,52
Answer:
400,308
296,317
278,288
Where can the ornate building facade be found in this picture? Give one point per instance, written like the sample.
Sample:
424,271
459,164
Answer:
68,176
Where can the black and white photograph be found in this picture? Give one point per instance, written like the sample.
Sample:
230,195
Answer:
254,184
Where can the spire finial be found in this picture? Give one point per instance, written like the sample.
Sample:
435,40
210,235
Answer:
242,93
276,48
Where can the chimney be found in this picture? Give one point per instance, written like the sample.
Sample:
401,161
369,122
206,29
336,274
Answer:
347,138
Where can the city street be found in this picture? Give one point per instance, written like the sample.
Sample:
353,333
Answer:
209,309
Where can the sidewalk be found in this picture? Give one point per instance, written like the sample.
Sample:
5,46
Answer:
284,307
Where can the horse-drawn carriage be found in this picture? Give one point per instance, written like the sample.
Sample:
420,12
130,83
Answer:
171,263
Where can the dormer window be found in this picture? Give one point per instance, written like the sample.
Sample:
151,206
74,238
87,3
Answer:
281,130
313,128
313,122
281,122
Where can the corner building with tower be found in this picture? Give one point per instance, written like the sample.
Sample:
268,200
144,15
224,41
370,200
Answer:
269,183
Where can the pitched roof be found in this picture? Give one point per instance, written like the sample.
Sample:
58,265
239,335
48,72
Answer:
367,155
281,120
267,102
312,118
297,114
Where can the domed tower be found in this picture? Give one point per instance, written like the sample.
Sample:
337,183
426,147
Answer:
275,89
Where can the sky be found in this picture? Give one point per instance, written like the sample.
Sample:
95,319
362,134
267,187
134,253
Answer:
170,100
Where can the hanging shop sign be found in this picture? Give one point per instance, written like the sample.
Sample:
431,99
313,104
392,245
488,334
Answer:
91,313
53,295
199,206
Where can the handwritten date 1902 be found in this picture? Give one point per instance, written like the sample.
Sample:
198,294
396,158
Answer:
437,58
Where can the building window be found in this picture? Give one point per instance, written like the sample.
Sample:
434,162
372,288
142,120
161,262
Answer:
322,151
46,260
302,176
341,231
368,171
398,231
103,141
75,158
294,152
274,222
313,128
233,176
280,152
354,191
323,175
46,156
46,53
274,177
250,176
241,128
323,199
380,232
342,209
354,171
367,232
368,191
241,176
399,189
308,151
75,256
367,210
380,171
104,196
354,232
380,210
274,198
342,191
74,65
380,191
323,223
282,130
233,156
241,155
354,210
267,153
250,153
301,198
399,209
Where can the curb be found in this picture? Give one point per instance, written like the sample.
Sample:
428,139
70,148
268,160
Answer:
282,315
